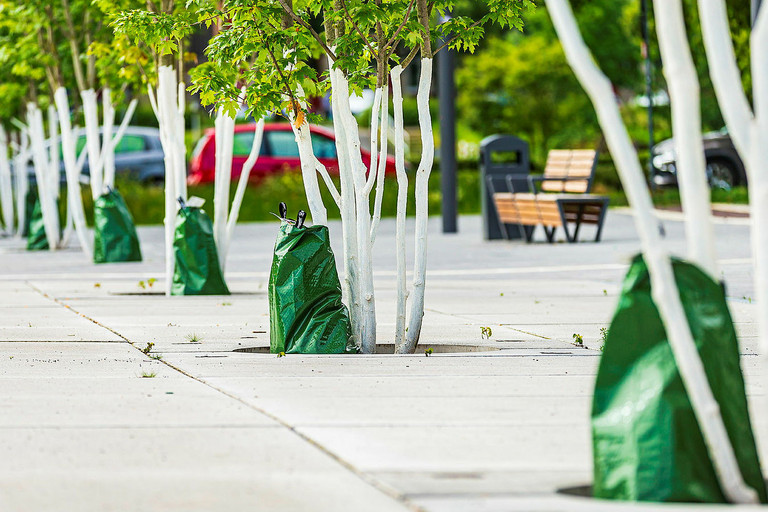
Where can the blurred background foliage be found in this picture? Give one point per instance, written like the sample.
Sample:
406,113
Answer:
520,83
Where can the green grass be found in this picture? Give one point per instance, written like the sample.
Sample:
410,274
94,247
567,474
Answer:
147,202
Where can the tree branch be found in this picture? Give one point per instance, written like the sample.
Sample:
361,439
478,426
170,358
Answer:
393,39
410,57
287,8
451,40
357,28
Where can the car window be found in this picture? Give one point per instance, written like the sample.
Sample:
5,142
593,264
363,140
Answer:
323,146
282,143
131,144
242,143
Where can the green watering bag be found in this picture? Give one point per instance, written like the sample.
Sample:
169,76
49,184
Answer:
115,236
197,270
646,440
29,205
36,239
306,315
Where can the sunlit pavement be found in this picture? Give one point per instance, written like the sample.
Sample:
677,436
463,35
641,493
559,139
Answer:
90,422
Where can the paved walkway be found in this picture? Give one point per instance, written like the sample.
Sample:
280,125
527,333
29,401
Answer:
91,423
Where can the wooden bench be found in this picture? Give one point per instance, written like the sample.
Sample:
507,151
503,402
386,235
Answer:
566,183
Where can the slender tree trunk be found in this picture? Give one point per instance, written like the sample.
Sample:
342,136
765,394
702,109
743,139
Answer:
664,291
41,164
242,184
72,171
422,207
167,113
93,141
107,145
347,208
367,325
748,130
6,184
402,205
224,136
22,179
683,84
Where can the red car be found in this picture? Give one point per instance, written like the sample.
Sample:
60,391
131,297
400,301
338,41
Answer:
279,152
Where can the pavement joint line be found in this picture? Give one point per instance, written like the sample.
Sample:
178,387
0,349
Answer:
366,478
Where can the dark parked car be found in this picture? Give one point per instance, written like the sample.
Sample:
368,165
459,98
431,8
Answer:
139,155
724,166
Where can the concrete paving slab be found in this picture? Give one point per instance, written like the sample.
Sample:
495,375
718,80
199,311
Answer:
35,360
181,468
65,402
449,448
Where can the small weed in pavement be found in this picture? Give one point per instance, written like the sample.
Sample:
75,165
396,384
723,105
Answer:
148,375
194,338
97,285
142,285
148,348
603,334
578,340
428,352
151,281
486,333
281,354
156,357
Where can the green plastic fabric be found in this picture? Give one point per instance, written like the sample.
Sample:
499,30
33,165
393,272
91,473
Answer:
306,315
29,205
197,270
115,238
646,440
36,239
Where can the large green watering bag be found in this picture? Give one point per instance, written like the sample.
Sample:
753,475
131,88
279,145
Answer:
646,440
115,236
197,270
36,239
306,315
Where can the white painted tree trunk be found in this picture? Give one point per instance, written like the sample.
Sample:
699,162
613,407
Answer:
107,146
242,184
748,130
54,162
683,85
6,183
422,207
21,184
381,168
72,169
168,107
663,288
402,205
347,208
224,133
92,141
367,321
41,162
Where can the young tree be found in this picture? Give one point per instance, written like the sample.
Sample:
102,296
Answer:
159,32
269,44
12,93
663,288
748,128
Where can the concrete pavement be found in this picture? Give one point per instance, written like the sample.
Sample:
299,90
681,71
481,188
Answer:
90,422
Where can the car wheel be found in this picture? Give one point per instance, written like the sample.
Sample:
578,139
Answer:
722,174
